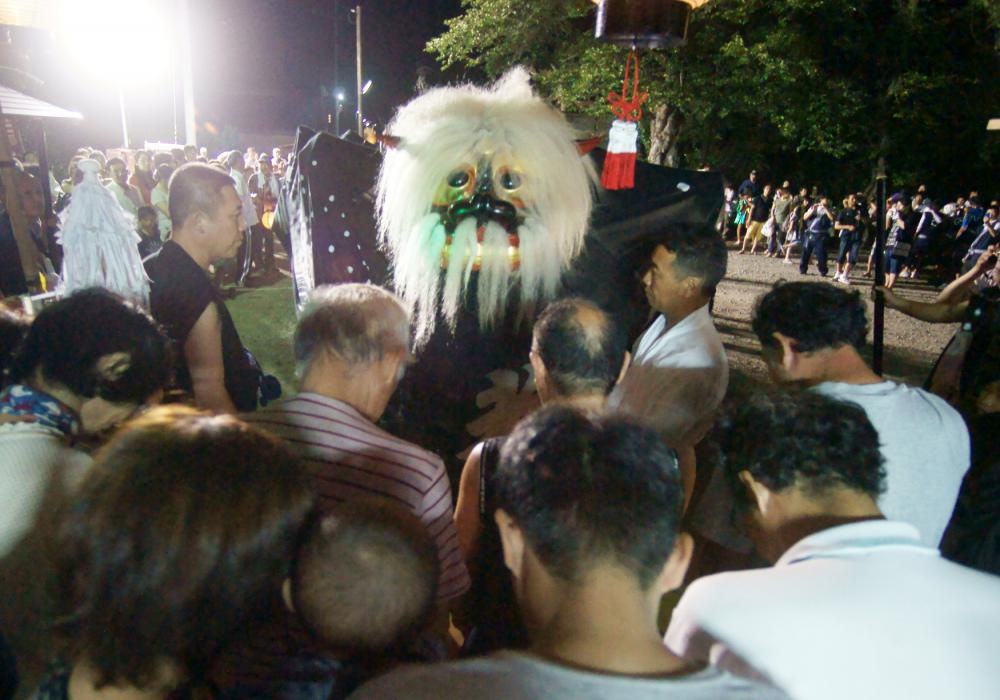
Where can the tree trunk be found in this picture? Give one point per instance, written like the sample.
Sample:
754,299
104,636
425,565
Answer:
657,148
668,122
675,124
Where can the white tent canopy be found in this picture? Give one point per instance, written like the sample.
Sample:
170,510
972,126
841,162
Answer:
17,104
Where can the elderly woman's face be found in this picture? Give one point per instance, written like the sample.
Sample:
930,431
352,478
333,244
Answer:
98,415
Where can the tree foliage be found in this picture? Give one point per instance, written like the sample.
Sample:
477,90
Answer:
812,90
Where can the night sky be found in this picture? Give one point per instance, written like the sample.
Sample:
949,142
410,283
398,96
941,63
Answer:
261,67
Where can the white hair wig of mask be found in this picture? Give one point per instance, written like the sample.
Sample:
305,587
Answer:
449,128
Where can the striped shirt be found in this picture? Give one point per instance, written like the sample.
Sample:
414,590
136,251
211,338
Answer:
353,459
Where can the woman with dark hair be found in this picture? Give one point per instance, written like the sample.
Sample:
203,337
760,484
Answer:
87,363
176,543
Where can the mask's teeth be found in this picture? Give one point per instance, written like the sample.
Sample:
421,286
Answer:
513,252
446,252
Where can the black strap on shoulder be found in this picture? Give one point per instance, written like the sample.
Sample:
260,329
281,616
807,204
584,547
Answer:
488,459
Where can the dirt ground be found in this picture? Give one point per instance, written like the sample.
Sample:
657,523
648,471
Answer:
911,346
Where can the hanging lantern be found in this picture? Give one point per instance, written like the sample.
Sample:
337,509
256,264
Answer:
646,24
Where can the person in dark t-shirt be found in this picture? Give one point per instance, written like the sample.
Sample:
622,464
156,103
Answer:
749,186
760,212
207,225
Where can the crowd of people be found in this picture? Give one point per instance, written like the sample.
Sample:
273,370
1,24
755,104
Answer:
169,529
139,181
920,233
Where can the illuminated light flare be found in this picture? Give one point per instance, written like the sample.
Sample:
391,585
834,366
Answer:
105,37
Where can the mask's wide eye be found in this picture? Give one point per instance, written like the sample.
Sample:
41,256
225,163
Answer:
509,180
458,179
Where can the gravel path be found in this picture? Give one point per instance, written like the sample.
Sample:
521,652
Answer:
911,346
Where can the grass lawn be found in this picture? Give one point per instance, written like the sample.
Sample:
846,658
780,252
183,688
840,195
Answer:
265,319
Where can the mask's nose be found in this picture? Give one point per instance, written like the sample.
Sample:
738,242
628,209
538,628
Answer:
484,181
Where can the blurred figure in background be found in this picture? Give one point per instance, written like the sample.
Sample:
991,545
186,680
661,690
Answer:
149,232
142,177
160,198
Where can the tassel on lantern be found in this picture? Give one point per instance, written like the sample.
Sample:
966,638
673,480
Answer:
619,163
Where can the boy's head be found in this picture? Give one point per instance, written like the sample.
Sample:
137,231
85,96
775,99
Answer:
365,578
146,218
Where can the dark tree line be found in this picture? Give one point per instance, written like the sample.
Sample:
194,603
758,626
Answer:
810,90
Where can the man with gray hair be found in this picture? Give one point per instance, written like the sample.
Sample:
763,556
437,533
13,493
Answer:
351,348
352,343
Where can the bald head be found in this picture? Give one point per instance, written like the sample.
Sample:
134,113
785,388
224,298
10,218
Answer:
581,347
365,578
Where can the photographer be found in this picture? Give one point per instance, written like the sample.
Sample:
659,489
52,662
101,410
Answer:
925,235
988,236
819,223
849,227
899,239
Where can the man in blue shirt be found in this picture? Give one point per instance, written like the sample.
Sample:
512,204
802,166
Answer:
973,220
749,186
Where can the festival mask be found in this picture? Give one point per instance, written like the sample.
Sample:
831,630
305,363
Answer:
483,187
486,194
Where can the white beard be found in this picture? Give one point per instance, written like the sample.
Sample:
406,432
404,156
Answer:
429,289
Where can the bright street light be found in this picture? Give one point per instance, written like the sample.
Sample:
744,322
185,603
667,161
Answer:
137,28
367,86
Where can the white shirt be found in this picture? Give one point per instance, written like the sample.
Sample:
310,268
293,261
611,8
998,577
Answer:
38,473
508,674
926,448
249,210
160,199
30,455
124,197
852,612
677,379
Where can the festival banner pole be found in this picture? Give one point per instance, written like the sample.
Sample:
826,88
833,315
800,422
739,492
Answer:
878,319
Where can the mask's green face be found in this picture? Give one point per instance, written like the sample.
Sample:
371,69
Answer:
486,191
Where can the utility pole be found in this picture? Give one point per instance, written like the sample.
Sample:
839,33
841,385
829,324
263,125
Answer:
336,59
340,108
121,107
357,27
878,320
190,125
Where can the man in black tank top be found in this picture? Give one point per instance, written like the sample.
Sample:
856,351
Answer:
207,218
